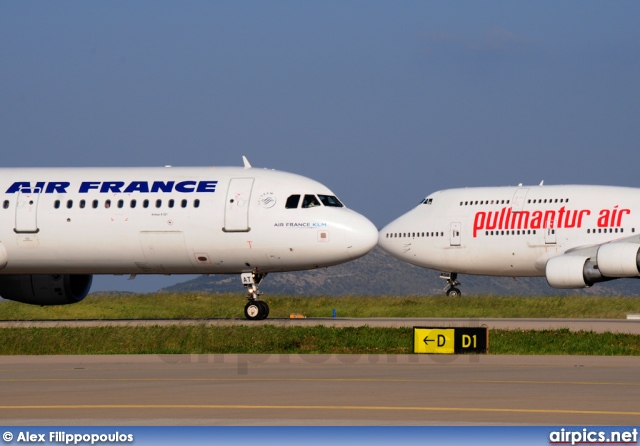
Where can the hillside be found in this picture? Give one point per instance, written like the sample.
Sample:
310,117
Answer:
379,274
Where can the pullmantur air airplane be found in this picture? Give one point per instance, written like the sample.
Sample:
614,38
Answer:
575,236
60,226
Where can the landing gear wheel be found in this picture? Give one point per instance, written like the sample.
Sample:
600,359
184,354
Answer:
253,310
264,309
256,310
454,292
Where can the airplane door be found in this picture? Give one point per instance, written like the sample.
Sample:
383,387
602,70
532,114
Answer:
518,200
236,213
549,233
454,234
26,212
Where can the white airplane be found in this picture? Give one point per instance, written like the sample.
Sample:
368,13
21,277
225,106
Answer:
575,236
59,226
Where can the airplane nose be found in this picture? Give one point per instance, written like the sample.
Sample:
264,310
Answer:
361,236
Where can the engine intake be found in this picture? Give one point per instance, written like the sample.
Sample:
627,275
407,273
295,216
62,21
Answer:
45,289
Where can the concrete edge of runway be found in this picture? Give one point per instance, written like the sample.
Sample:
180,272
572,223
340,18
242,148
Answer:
328,359
629,326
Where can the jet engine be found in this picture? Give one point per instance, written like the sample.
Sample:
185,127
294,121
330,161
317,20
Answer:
584,268
573,271
619,259
45,289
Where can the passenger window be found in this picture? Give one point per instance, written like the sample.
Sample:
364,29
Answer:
292,202
330,201
158,203
69,204
94,204
5,204
107,204
183,203
145,204
56,204
310,201
120,203
82,204
171,203
196,203
133,204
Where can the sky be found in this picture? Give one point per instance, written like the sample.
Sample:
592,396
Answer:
382,101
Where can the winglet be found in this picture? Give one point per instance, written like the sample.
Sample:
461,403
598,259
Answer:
542,183
246,162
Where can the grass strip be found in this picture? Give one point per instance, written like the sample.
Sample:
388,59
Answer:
202,339
231,306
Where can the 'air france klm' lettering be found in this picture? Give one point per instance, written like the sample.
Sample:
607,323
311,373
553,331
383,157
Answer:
113,187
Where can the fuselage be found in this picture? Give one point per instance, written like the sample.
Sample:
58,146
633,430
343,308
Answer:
510,231
171,221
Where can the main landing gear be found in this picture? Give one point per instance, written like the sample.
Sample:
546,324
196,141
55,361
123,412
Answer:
452,281
255,309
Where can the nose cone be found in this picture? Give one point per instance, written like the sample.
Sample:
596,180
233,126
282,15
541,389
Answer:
361,235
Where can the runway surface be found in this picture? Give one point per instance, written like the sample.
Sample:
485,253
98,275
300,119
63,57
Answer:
319,390
631,326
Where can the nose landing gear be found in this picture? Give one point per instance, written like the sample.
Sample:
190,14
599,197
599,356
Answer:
452,281
255,309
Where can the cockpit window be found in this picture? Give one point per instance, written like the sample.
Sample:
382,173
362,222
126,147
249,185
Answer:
427,201
292,202
310,201
331,201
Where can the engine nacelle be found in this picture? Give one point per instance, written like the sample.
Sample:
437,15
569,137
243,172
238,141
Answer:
619,259
569,271
45,289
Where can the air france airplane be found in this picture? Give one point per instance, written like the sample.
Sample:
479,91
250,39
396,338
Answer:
58,227
575,236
